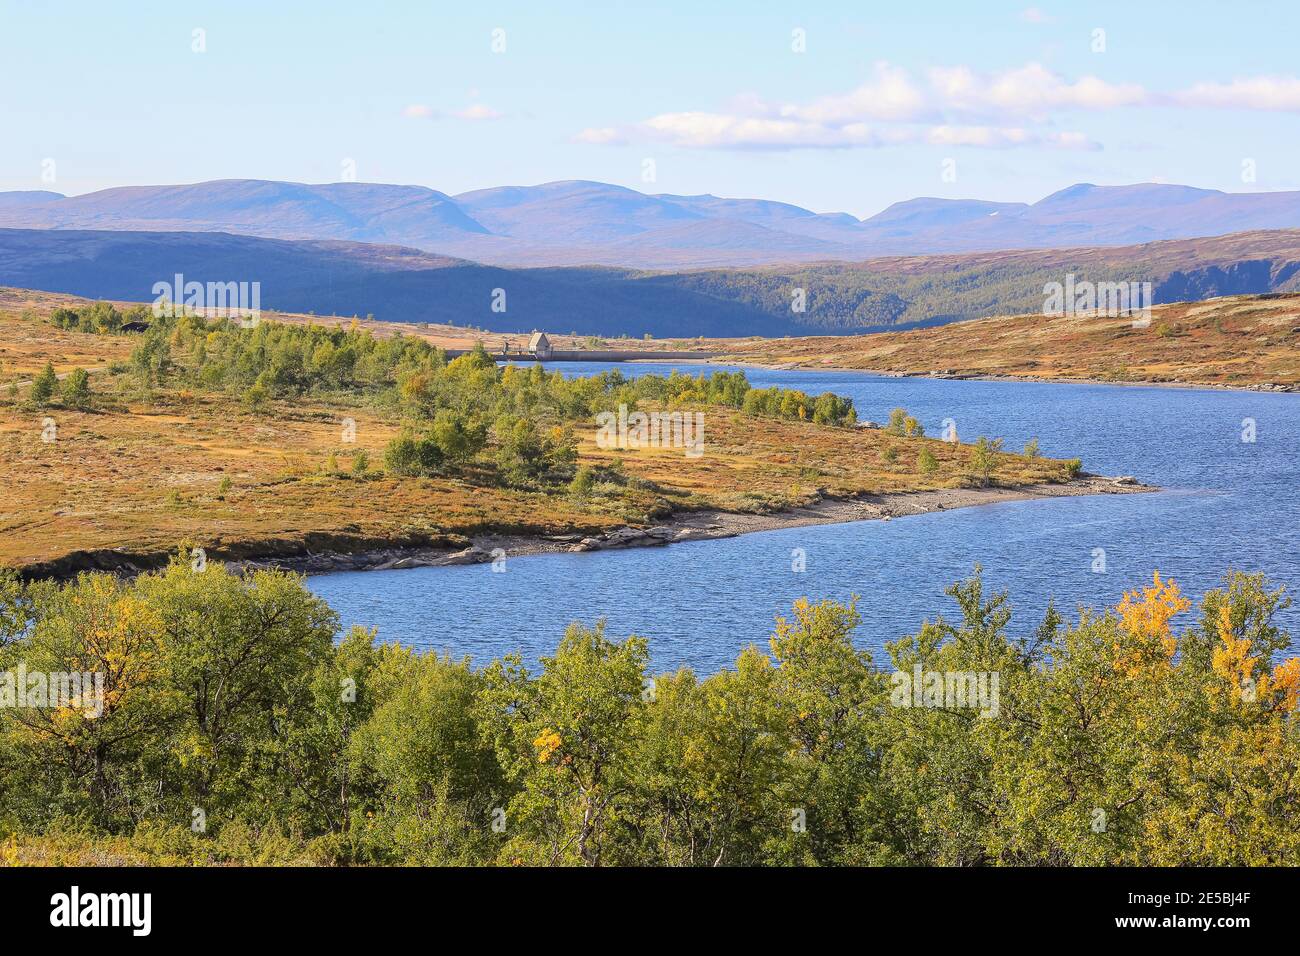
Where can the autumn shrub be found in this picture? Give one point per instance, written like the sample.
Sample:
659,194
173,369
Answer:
983,460
239,727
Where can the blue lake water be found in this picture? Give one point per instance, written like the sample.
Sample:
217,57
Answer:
1226,503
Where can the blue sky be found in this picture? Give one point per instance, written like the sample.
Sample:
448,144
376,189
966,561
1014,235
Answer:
1013,94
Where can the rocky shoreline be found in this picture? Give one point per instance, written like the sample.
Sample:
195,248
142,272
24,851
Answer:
695,526
957,376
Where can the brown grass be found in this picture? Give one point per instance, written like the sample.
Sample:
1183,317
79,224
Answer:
1238,341
14,302
148,472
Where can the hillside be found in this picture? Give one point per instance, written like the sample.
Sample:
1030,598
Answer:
253,461
394,283
1238,341
401,284
29,343
579,222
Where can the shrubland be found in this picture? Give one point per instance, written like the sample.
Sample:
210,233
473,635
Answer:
287,438
239,726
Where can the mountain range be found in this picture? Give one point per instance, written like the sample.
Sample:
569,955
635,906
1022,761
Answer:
591,223
403,284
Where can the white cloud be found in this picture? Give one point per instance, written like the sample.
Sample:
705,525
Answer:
601,136
1245,93
1034,15
890,95
953,106
701,130
478,111
1029,90
885,111
996,137
1070,140
722,130
986,136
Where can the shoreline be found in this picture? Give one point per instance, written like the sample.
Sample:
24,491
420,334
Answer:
745,362
699,526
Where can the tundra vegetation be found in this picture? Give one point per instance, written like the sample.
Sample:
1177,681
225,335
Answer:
238,726
288,437
452,411
1241,341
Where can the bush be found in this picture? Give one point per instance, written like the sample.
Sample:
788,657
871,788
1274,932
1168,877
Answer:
255,397
458,437
904,425
583,482
101,317
44,385
926,463
528,456
76,388
234,693
411,456
65,318
1031,448
984,460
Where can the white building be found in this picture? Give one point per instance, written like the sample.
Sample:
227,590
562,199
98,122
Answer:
540,345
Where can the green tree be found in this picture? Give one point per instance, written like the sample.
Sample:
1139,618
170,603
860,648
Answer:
458,437
75,390
103,317
984,460
44,385
410,456
926,463
903,424
527,455
255,397
240,651
80,754
584,480
712,762
566,738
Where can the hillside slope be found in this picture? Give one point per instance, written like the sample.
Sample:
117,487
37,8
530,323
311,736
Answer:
402,284
1238,341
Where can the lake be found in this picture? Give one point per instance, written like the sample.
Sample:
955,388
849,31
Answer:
1226,503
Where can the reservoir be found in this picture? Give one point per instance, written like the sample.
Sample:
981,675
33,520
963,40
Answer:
1226,503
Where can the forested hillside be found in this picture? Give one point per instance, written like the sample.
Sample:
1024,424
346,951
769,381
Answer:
405,285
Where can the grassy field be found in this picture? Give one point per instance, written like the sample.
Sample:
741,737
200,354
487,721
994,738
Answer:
1242,341
28,345
148,470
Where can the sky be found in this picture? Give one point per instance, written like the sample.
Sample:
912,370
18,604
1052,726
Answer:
838,107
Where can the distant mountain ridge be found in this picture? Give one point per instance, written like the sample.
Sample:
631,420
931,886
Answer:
590,223
402,284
